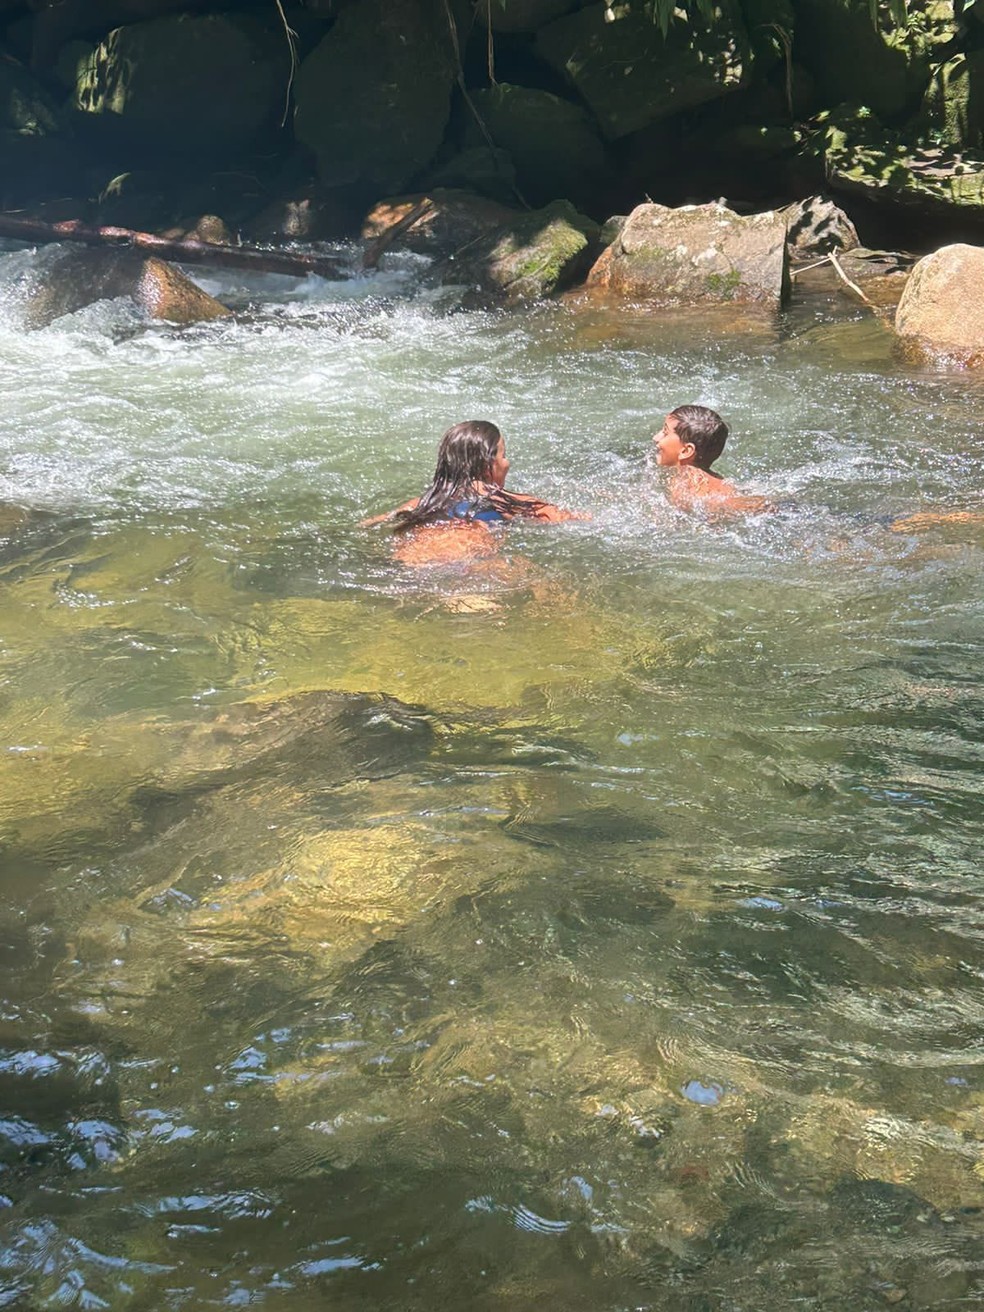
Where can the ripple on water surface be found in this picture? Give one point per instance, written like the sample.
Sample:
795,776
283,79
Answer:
603,930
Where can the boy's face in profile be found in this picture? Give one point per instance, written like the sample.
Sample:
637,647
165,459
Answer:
671,449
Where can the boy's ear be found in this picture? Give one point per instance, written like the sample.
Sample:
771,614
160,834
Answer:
687,451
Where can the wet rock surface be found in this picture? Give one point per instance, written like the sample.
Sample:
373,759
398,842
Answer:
79,278
941,313
451,220
695,254
529,259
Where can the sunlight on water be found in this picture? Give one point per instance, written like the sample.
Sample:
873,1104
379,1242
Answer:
598,929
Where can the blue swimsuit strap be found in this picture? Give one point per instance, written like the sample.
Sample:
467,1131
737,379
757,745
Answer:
474,510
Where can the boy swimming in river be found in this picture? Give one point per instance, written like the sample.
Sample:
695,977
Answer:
691,439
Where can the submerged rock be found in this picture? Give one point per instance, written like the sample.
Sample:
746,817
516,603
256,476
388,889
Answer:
528,259
941,313
81,277
695,254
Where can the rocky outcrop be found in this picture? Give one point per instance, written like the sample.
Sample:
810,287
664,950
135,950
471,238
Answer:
79,278
856,62
529,259
630,75
450,221
553,144
890,170
198,86
940,317
696,254
953,103
373,97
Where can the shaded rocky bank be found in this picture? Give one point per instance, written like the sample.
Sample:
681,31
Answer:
291,121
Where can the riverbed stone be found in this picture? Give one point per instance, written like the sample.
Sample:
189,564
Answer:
374,96
696,254
630,75
81,277
941,313
553,144
185,85
529,259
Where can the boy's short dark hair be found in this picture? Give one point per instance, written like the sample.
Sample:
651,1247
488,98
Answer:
705,429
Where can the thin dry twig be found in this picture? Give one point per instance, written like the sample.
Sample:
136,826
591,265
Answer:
853,285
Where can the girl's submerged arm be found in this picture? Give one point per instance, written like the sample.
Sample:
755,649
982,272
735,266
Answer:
544,510
390,514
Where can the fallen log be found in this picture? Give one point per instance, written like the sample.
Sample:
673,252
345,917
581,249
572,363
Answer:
181,250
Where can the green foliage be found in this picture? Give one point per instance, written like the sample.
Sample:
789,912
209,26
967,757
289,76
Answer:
893,13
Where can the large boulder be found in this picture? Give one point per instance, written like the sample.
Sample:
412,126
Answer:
855,61
483,169
889,170
553,144
529,259
696,254
953,104
77,278
24,104
631,75
522,15
199,86
373,97
941,314
451,220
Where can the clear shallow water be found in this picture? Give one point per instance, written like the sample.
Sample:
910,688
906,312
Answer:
605,932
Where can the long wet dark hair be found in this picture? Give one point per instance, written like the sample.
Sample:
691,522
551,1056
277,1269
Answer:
464,472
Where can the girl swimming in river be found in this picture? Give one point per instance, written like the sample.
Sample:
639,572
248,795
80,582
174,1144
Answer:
453,519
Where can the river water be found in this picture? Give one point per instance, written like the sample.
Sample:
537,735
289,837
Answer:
600,930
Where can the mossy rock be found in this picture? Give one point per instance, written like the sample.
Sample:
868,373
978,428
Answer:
856,62
529,259
694,255
185,85
954,101
552,143
630,75
373,98
888,168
